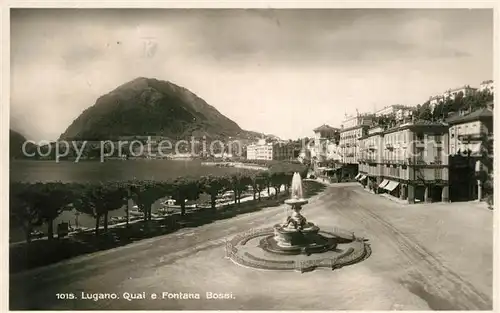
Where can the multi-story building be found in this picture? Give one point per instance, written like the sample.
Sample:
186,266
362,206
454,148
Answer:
464,90
434,100
260,151
326,151
349,143
352,129
370,161
283,152
412,161
270,151
487,85
323,136
356,120
469,135
393,110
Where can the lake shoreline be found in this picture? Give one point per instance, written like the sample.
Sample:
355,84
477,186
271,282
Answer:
236,165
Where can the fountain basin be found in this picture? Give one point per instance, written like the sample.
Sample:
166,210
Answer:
296,202
294,241
288,237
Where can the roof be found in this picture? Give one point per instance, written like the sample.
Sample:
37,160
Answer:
325,127
466,87
418,123
476,115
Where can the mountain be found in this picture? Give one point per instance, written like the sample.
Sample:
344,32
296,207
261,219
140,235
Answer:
16,141
150,107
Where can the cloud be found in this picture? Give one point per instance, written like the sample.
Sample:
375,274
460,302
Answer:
302,65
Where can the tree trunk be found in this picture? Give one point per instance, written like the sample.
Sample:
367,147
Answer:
127,212
150,210
235,196
268,191
259,193
239,196
106,221
183,207
50,229
277,191
127,208
97,220
213,197
27,233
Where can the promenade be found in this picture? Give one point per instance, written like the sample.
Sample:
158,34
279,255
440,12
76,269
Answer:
433,256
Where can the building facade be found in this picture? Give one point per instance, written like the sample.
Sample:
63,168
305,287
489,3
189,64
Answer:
487,85
464,90
393,110
469,137
270,151
370,161
349,145
410,163
325,137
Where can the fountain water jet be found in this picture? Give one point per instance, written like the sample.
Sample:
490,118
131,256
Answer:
296,234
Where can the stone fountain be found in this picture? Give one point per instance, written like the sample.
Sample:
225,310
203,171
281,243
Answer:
296,234
296,244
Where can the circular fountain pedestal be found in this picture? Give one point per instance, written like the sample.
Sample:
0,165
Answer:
280,247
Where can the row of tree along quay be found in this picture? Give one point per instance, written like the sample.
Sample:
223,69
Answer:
36,204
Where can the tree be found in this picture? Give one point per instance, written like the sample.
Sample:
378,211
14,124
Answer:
239,183
23,212
185,188
277,179
260,182
99,199
425,112
146,193
50,199
214,185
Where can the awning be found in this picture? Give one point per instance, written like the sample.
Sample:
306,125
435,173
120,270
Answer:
475,148
358,176
391,185
362,178
383,183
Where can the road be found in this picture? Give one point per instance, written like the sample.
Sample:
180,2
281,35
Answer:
423,257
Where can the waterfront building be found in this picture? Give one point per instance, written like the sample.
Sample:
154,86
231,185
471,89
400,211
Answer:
353,128
370,161
326,149
270,151
469,135
407,161
325,136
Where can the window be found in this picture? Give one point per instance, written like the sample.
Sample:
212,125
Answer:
439,154
438,173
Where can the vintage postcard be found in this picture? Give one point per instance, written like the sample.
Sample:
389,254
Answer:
250,158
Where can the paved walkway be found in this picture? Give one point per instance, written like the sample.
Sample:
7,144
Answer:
429,256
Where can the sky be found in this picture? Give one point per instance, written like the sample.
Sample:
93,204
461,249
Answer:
281,72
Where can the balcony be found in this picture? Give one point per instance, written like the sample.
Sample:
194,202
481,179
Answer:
472,137
389,146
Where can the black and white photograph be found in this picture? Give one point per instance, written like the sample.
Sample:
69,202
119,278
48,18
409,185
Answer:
250,158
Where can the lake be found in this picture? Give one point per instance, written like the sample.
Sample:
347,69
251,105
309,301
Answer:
93,171
111,170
